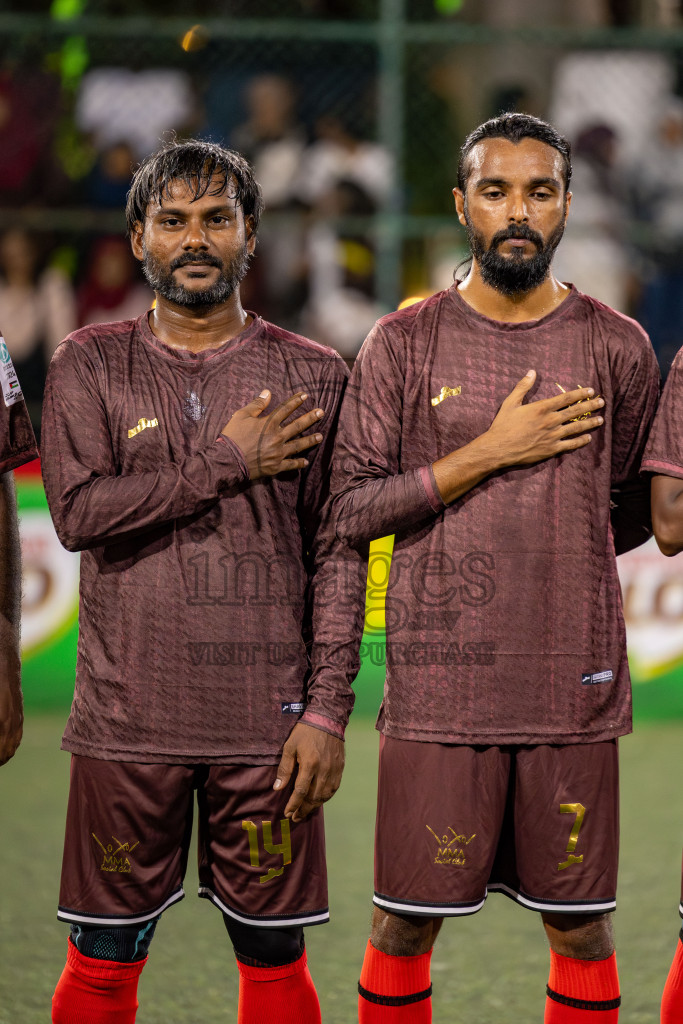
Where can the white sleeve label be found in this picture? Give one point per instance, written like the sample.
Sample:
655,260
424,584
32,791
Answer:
11,389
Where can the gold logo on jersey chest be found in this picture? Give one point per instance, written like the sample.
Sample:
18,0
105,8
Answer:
142,424
446,392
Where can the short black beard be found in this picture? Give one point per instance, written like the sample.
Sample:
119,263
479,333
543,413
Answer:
160,279
515,274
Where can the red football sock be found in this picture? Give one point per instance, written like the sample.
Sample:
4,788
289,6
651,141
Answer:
672,999
283,994
96,991
582,991
394,989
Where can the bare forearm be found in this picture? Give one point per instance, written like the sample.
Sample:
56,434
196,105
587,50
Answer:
11,710
10,561
461,470
667,513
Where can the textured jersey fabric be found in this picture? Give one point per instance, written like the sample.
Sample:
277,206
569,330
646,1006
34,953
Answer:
664,449
504,620
17,440
199,588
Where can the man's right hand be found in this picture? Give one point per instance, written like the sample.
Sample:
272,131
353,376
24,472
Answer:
520,435
525,434
267,445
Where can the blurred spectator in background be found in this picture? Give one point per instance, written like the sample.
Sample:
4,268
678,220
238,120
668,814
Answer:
108,182
38,310
593,254
338,154
343,179
118,104
271,138
113,288
341,307
658,198
274,141
29,108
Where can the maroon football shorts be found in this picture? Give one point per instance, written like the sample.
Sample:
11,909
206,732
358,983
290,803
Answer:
539,824
128,833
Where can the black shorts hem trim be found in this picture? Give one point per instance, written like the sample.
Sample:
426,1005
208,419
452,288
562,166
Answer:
70,916
418,908
584,1004
414,997
550,906
307,917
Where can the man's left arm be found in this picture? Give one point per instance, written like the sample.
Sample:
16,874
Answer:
636,393
11,707
667,513
336,606
17,446
664,459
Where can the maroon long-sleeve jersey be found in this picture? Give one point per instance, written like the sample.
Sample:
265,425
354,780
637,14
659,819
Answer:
210,613
17,440
664,449
504,621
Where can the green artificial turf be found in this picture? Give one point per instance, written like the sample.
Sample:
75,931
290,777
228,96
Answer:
489,969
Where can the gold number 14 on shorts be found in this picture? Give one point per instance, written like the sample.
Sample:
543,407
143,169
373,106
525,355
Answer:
284,848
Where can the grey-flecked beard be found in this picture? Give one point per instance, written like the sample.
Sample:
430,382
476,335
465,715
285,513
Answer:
160,279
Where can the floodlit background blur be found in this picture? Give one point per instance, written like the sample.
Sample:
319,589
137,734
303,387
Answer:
352,112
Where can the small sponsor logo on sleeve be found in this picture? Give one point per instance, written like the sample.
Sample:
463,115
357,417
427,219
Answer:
11,389
293,707
593,678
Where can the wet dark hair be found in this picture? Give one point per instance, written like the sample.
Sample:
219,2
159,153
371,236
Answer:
514,127
195,163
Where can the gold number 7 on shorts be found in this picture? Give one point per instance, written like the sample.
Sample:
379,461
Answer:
579,810
284,848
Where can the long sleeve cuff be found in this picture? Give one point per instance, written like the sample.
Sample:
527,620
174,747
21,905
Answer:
322,722
236,452
428,480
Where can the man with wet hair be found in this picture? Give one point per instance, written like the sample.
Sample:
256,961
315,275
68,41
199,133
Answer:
496,429
211,657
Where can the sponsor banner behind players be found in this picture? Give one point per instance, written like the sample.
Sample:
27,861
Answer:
49,626
652,588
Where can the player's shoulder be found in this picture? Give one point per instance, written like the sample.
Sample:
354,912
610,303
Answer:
296,346
611,320
403,330
406,317
95,338
676,371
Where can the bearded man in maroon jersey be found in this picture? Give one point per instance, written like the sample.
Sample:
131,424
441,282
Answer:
507,681
664,459
210,656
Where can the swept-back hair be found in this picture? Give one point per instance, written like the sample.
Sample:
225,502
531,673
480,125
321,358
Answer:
514,127
195,163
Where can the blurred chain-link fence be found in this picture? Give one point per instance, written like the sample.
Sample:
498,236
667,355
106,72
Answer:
352,113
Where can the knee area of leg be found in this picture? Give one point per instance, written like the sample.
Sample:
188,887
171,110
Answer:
123,945
271,947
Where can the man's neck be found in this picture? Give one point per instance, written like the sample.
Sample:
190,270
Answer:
533,305
198,329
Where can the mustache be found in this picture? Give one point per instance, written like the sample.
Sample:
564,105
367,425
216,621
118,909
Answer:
190,258
516,231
